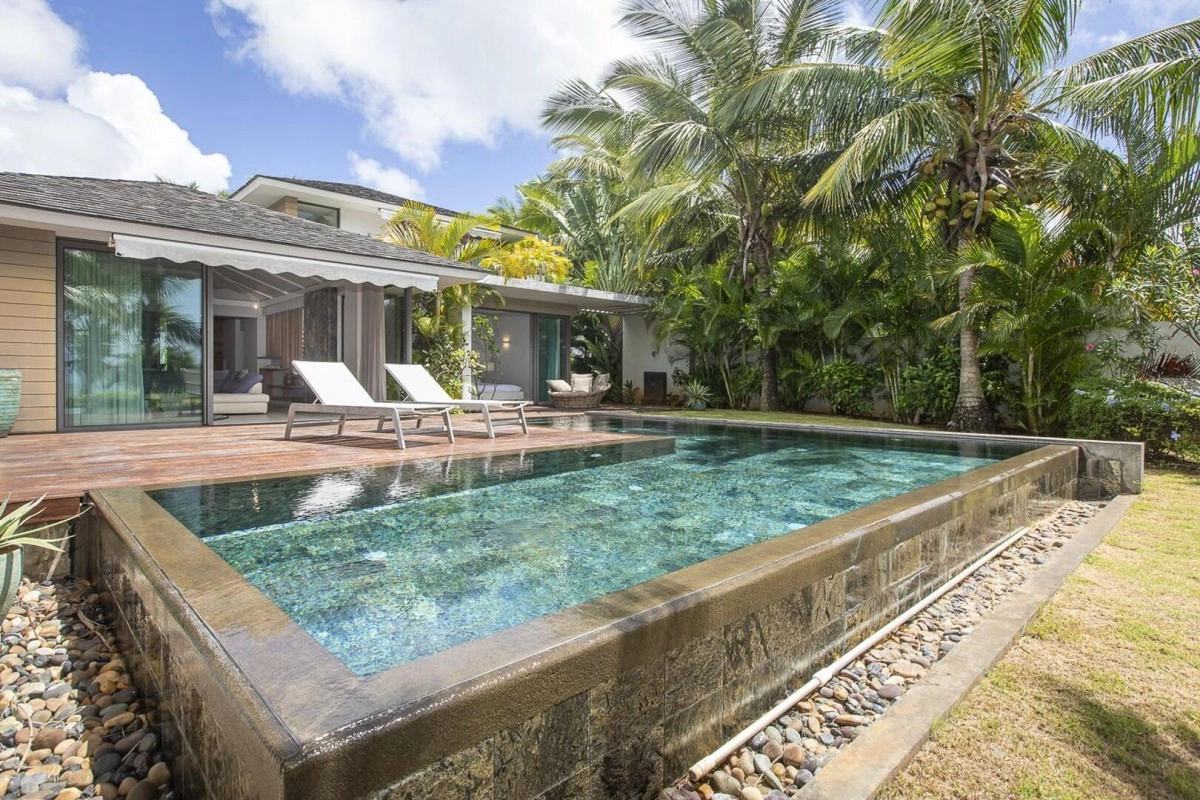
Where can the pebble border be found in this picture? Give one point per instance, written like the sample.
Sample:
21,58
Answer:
781,760
72,724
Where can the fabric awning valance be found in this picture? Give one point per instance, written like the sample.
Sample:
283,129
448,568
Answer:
275,263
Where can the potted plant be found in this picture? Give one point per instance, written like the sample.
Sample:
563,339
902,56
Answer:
14,537
10,398
696,395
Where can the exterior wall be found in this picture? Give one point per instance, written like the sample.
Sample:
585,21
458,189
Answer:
640,354
28,284
202,709
367,223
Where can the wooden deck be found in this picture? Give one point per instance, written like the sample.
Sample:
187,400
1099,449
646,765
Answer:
65,466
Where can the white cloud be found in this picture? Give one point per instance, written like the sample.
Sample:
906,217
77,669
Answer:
1089,40
40,51
1102,25
58,118
424,73
1155,13
857,15
387,179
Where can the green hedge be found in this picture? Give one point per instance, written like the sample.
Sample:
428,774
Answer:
1165,418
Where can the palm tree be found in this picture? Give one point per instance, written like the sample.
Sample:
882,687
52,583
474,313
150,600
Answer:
439,323
691,140
1141,199
1038,294
419,227
963,96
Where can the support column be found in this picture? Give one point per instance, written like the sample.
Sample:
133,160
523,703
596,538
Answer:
406,344
467,320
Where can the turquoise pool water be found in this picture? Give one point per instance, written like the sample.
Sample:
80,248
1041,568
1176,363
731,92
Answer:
384,566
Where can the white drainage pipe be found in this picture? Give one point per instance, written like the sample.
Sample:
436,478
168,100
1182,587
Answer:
823,676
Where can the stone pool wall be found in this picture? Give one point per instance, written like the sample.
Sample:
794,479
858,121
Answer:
218,737
613,698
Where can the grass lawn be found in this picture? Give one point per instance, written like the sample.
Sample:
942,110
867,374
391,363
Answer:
780,416
1101,695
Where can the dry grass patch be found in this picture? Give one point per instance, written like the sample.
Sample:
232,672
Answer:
1099,698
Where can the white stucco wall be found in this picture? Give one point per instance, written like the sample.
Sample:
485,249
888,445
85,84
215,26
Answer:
640,354
514,362
358,221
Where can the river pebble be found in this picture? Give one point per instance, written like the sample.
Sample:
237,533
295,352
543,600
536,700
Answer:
72,724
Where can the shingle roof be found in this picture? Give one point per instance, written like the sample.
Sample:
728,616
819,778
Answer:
353,190
169,205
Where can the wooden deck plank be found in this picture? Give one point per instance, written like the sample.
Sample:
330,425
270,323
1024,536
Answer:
68,465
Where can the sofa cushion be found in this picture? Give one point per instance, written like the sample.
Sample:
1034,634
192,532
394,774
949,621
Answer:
558,386
602,382
242,383
581,383
222,378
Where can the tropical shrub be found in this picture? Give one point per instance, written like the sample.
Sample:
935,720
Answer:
847,385
696,394
17,529
531,258
1165,418
928,388
447,358
745,383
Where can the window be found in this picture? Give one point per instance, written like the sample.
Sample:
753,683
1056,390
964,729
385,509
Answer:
315,213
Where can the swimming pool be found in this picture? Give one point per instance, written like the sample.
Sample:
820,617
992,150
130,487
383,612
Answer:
384,566
612,697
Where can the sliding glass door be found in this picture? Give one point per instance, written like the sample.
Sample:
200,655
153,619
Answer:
132,350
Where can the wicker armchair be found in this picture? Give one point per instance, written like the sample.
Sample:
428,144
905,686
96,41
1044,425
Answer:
586,391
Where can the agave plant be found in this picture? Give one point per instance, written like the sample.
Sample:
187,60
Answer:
696,394
14,532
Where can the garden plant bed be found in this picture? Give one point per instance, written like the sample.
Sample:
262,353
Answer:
781,760
71,723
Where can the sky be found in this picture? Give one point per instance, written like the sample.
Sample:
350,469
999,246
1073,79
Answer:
430,99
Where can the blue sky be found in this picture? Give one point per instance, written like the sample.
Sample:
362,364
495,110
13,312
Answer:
428,98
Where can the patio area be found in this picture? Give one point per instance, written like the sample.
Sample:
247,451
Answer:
64,466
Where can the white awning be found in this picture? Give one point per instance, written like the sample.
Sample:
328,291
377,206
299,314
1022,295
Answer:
275,263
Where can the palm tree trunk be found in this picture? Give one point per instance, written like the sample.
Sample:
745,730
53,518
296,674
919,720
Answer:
971,411
759,249
769,359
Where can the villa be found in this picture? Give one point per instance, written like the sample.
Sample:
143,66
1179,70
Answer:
603,600
121,300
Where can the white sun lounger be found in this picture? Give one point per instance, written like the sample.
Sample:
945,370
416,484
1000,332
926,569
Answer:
340,394
422,388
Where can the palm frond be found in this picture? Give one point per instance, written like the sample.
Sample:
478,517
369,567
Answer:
886,140
1151,82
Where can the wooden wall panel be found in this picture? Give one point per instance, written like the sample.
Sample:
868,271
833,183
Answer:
27,325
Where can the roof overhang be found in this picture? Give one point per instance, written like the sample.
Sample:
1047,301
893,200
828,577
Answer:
579,297
265,192
78,226
273,263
